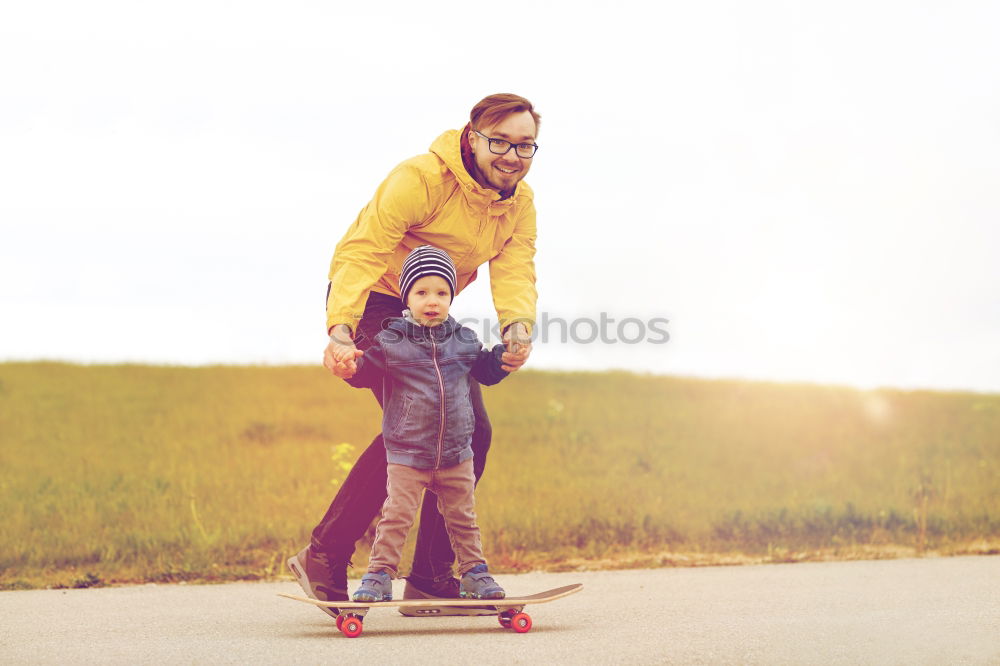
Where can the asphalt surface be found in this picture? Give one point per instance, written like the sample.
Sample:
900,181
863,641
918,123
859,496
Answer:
918,611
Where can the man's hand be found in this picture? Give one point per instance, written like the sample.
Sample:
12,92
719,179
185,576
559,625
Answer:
518,344
339,355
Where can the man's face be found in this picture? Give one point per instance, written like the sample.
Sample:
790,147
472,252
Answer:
429,300
502,172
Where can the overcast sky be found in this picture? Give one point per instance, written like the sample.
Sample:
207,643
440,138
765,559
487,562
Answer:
807,191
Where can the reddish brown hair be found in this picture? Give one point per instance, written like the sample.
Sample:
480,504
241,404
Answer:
495,108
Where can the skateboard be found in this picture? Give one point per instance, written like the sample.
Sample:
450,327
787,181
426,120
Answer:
510,611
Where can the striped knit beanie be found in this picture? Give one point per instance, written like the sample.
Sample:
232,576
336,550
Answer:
423,261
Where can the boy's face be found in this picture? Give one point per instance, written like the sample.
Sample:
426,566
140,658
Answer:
429,300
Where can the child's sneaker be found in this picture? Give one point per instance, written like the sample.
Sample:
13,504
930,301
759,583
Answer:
477,583
374,587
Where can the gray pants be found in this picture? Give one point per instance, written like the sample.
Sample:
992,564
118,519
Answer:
455,489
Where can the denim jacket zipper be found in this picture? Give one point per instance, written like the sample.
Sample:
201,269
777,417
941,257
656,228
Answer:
441,387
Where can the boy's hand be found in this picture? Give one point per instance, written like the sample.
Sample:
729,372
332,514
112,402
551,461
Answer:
518,344
339,355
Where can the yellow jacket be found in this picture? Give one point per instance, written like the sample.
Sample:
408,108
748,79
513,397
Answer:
431,199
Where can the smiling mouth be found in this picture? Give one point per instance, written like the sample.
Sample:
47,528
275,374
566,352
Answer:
505,171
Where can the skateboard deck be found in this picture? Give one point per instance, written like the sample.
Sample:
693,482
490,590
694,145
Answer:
510,611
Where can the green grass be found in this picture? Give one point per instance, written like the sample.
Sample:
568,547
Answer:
140,473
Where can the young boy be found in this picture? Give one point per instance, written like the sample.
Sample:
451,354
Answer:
427,360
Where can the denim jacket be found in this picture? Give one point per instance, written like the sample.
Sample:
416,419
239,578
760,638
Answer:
427,418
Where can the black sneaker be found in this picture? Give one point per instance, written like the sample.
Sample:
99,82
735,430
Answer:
449,588
319,578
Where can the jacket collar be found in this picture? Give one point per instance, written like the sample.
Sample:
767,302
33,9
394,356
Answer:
417,332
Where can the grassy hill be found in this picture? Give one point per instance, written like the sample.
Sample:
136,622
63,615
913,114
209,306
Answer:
148,473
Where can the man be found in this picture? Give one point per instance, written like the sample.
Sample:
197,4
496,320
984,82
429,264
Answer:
466,196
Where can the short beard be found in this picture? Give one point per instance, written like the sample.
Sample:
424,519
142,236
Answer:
504,194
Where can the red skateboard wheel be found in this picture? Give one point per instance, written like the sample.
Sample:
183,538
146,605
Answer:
521,623
352,627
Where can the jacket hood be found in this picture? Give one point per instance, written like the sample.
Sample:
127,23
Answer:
448,148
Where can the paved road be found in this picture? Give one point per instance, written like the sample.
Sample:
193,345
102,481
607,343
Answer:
929,611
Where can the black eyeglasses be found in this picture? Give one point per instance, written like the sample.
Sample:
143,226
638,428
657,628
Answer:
502,147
